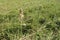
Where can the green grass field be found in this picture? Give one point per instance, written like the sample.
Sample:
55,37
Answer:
42,19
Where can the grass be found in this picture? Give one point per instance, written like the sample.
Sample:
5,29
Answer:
37,14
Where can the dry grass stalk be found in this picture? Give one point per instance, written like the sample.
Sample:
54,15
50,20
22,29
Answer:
21,15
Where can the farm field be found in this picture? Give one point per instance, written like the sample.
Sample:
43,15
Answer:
41,20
